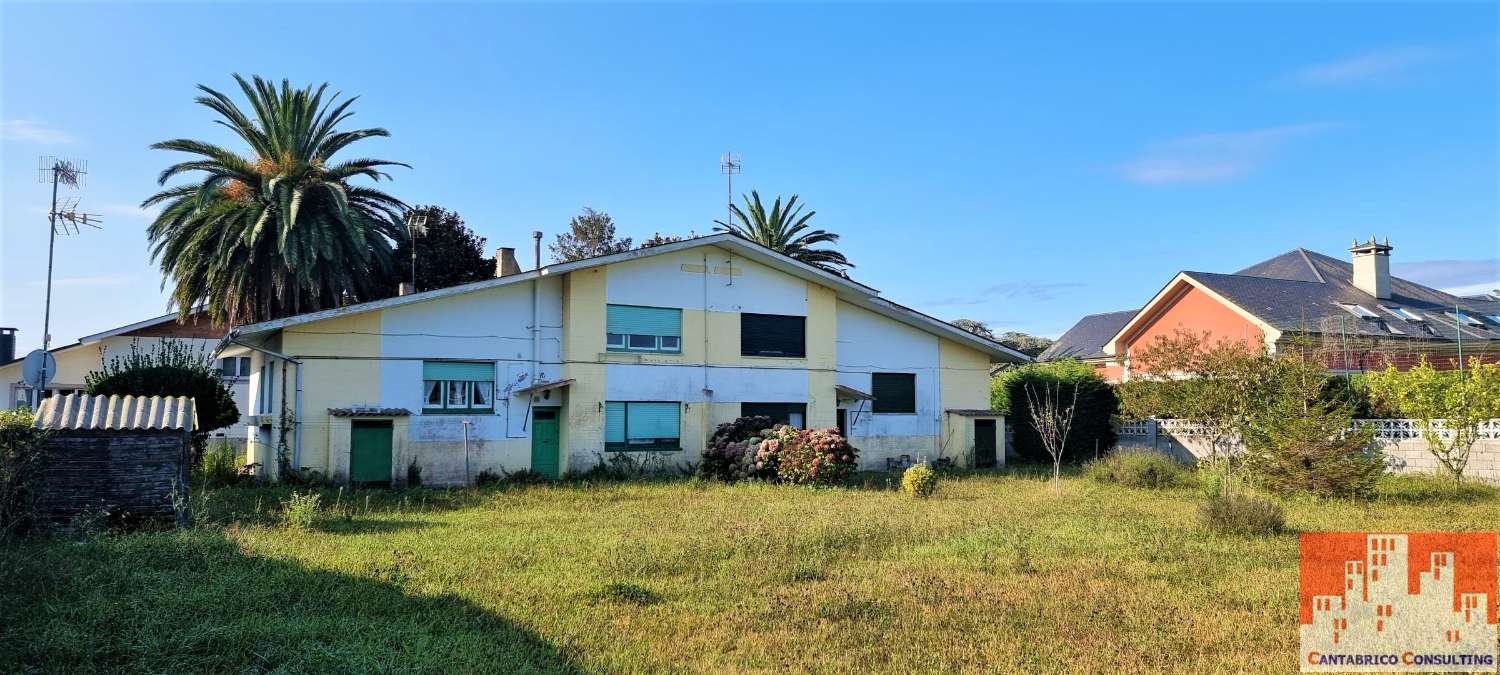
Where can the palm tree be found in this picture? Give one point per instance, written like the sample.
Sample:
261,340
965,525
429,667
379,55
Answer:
784,229
281,231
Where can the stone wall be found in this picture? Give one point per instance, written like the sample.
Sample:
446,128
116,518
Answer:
127,472
1401,441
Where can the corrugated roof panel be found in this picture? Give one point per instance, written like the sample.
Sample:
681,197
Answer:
84,412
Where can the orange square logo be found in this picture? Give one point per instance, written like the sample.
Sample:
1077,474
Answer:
1398,601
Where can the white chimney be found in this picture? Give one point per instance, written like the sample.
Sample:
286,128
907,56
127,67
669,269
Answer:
1372,267
505,262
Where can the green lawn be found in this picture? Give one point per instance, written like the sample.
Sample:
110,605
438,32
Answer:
993,573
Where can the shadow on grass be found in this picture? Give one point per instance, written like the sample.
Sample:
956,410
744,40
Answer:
1422,489
191,601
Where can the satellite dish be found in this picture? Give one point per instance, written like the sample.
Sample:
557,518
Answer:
31,369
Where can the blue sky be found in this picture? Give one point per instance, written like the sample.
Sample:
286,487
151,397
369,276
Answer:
1018,164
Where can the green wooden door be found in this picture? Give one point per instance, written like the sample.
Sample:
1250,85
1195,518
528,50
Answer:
370,452
544,428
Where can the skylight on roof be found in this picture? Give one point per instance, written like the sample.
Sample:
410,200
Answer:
1493,317
1465,318
1361,311
1403,313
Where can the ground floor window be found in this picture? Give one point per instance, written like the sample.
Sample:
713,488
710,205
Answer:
633,426
458,387
792,414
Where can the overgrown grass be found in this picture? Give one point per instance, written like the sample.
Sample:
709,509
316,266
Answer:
992,573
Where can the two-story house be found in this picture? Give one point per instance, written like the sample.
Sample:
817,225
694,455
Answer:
646,351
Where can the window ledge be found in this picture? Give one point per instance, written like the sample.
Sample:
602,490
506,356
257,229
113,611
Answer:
647,448
458,411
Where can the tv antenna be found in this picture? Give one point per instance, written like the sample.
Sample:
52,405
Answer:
63,218
416,226
729,165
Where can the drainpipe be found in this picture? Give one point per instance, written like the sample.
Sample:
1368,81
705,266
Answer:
536,310
296,396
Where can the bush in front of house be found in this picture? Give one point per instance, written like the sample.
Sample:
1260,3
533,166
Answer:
812,456
1093,427
1242,514
220,465
1138,468
919,480
22,459
731,451
301,510
170,368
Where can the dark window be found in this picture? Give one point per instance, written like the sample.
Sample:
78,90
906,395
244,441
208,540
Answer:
894,392
794,414
773,335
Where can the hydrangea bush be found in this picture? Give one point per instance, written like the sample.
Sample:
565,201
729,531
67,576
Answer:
810,456
731,451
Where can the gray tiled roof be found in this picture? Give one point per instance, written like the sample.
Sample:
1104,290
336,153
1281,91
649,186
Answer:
1087,337
1303,289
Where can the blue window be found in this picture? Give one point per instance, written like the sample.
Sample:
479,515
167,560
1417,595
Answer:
642,426
631,328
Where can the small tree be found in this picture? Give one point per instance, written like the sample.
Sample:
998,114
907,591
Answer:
170,368
1216,385
1449,406
1051,419
1093,419
1299,439
590,234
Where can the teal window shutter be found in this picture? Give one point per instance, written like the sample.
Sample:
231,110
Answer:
469,371
614,422
653,420
635,320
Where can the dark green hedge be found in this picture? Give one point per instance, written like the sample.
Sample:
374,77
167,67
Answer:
1093,421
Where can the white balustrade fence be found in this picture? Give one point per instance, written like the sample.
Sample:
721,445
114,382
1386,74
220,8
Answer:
1400,439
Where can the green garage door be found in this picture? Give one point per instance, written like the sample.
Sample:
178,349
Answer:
370,452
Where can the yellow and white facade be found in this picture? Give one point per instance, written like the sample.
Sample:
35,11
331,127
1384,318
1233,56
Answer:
565,392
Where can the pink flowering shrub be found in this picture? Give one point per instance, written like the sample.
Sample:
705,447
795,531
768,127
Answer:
807,456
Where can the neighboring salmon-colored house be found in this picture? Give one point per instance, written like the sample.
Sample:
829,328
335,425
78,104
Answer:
1365,317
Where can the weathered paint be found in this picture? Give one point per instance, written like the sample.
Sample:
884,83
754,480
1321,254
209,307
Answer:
380,354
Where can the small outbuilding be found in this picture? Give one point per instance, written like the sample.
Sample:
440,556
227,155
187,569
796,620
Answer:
125,454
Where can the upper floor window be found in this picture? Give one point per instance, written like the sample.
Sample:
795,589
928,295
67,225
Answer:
235,366
894,392
642,426
631,328
458,387
773,335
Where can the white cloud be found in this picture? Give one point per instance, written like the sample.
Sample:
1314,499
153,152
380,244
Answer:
28,131
85,282
1374,66
1211,157
1459,277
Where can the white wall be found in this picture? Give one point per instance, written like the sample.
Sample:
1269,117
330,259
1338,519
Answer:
659,281
869,342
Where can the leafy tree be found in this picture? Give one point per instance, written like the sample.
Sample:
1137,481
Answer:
659,239
1030,345
170,368
1091,429
590,234
974,326
784,229
1298,439
1449,406
1215,384
283,230
449,254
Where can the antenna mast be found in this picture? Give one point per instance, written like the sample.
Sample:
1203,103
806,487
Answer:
64,219
416,226
729,165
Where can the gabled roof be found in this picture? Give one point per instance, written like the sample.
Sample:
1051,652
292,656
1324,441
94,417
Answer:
1303,290
1085,340
90,339
847,290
